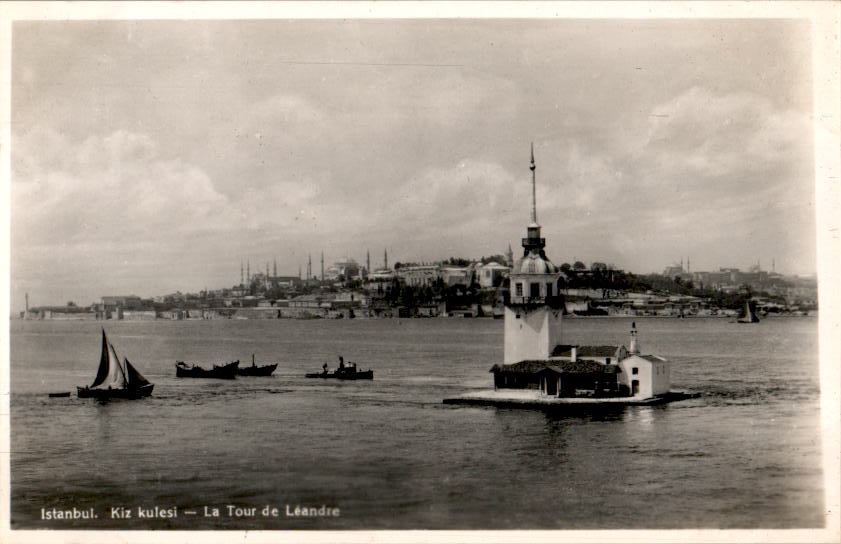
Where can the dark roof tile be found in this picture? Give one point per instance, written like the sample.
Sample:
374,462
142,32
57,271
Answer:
563,350
533,366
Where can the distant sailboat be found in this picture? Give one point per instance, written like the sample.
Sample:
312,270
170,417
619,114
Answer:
750,315
115,379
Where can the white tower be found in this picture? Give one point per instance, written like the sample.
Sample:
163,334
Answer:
533,313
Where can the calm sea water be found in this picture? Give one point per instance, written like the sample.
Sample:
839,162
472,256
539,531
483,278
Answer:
389,454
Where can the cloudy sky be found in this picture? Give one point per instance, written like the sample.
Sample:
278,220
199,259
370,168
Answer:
154,156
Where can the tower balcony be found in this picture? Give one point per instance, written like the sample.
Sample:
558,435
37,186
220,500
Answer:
554,302
534,242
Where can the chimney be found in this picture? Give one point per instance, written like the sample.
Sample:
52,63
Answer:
573,354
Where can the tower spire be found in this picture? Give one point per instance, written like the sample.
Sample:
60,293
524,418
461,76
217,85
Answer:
533,241
532,167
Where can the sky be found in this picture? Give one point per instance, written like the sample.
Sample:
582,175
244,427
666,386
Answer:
154,156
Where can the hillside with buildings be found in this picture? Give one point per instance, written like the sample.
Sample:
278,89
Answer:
456,287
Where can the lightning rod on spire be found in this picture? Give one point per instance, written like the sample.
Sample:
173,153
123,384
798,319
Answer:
532,167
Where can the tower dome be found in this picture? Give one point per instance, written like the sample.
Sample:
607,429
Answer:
534,262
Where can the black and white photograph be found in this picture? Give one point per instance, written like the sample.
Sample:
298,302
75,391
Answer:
371,272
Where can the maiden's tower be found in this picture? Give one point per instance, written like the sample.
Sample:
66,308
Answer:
534,307
537,368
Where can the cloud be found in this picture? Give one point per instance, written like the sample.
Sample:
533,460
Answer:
190,145
113,188
701,134
463,196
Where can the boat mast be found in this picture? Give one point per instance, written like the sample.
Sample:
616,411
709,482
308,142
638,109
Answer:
119,364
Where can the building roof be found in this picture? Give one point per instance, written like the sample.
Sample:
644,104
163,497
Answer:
564,350
566,367
652,358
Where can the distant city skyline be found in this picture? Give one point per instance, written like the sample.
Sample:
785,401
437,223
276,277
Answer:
150,157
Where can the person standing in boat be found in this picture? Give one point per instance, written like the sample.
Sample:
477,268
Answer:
341,363
324,368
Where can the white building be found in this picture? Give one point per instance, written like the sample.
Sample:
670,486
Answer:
491,274
420,275
457,275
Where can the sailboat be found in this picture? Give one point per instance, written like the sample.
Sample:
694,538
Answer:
115,379
750,315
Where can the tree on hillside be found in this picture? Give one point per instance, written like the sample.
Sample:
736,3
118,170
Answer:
499,259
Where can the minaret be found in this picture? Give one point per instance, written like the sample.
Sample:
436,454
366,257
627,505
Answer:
267,274
241,273
368,261
309,267
509,256
533,311
275,268
385,258
634,348
248,271
299,271
688,267
322,266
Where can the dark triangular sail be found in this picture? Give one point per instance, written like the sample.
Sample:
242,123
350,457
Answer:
134,378
104,367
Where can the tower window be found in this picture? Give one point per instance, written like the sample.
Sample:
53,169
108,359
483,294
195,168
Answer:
519,289
534,290
635,370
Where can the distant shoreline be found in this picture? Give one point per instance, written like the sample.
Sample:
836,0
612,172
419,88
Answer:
373,318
